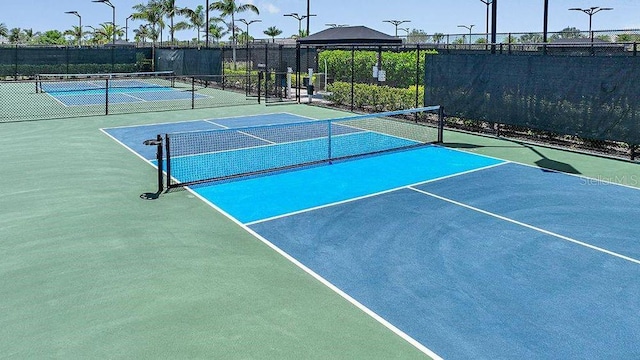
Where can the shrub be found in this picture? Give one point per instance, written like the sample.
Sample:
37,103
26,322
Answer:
375,98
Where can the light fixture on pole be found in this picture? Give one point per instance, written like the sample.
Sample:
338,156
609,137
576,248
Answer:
396,23
79,25
488,3
299,18
333,25
591,11
248,22
113,8
469,28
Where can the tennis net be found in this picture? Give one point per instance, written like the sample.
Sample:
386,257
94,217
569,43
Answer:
213,155
47,83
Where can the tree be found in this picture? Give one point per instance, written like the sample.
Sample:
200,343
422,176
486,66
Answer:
170,10
142,33
272,31
105,32
244,38
217,31
417,36
510,39
4,31
76,32
437,37
230,8
14,35
151,13
196,19
301,33
531,38
51,37
29,34
627,38
567,33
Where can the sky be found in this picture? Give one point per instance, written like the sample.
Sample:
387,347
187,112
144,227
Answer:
515,16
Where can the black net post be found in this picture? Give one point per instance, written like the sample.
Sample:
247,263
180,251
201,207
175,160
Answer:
159,158
260,75
193,92
167,147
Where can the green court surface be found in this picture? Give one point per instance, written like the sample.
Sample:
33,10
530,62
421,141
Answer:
89,270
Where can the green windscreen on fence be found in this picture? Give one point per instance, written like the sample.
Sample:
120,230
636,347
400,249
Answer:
28,61
201,61
590,97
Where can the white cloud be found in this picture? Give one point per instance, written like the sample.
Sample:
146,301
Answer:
272,9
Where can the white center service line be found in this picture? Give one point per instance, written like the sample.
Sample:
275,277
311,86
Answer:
565,238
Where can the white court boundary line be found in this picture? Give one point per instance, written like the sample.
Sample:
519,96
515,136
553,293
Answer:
520,223
333,287
323,281
375,194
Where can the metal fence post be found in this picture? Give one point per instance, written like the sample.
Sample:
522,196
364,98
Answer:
353,61
417,75
106,97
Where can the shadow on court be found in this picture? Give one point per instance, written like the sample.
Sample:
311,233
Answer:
544,162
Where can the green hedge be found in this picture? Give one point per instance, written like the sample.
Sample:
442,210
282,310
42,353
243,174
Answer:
375,98
400,66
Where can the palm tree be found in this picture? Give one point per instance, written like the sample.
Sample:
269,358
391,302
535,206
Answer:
107,30
230,8
76,32
217,31
141,34
170,10
273,32
196,18
14,35
29,34
4,31
437,37
151,13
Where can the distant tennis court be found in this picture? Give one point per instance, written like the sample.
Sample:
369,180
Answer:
462,255
98,89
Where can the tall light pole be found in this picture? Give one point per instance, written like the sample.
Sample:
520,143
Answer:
300,18
396,23
468,27
113,8
79,25
308,15
488,3
126,28
591,11
545,22
206,24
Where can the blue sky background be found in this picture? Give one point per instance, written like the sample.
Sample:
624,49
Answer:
517,16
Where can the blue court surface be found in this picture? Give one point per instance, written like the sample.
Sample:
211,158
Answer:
74,96
465,256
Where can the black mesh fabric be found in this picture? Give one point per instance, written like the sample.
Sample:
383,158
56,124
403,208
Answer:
586,96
